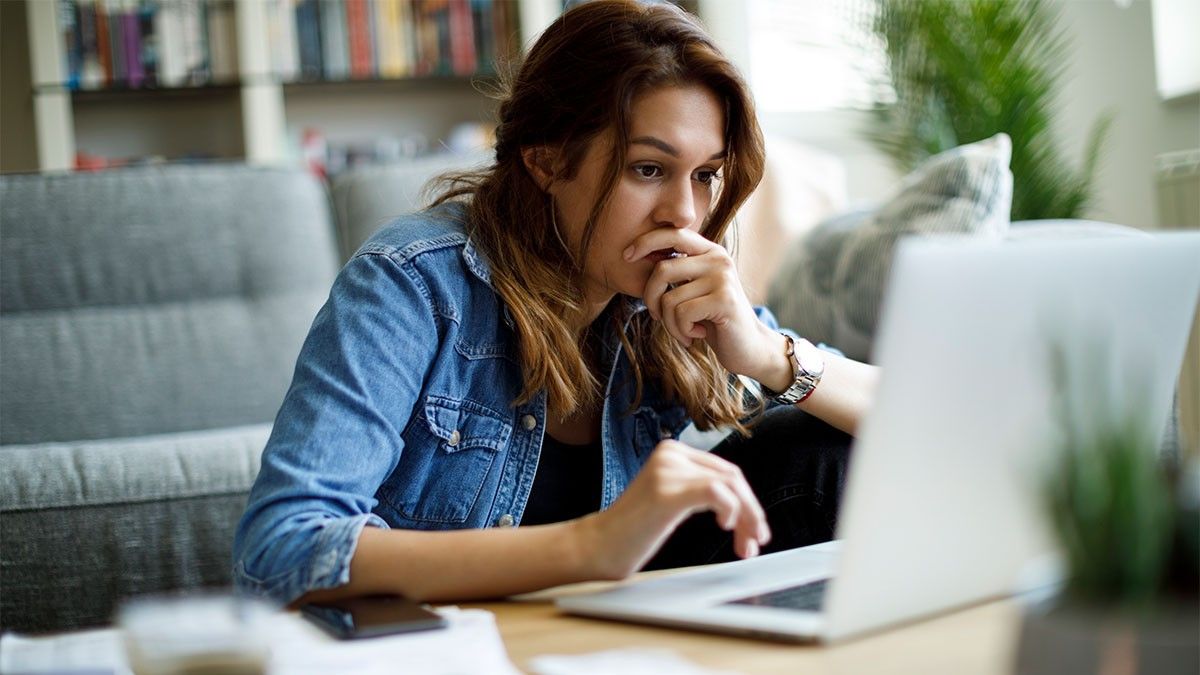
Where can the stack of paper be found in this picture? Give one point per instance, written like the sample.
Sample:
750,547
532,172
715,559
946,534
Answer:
471,643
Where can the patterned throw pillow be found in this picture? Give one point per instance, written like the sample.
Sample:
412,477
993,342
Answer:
831,283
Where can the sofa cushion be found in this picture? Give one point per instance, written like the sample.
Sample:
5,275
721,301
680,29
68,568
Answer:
831,283
155,300
87,523
366,198
130,470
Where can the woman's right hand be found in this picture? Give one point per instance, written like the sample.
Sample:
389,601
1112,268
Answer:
675,482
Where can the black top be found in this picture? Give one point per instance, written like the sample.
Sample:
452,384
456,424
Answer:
567,484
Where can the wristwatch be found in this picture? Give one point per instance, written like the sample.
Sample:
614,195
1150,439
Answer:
808,365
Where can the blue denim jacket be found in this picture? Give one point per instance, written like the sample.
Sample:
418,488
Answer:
400,413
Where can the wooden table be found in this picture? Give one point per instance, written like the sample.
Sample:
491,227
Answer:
977,640
980,639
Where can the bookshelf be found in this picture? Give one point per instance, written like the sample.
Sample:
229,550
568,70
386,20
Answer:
254,113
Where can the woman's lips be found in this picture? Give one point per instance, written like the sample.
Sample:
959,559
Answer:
662,254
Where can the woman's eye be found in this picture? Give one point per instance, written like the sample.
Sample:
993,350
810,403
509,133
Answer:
648,171
707,177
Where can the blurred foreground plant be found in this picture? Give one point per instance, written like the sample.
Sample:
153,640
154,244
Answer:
1124,518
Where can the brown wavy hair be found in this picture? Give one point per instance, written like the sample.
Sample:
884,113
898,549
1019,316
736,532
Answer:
579,81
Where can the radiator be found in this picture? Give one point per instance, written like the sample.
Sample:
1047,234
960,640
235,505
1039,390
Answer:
1179,189
1178,183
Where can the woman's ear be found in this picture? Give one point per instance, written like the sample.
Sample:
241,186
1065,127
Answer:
539,162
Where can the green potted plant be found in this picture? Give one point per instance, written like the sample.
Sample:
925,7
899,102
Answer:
1127,522
965,70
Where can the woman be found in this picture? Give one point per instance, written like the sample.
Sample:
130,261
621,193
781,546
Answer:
526,351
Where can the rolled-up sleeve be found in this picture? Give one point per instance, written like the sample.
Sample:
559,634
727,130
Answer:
338,433
771,322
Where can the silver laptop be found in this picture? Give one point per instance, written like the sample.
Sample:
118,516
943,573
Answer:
940,509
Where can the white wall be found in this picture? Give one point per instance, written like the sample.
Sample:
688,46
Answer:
870,176
1176,49
1113,69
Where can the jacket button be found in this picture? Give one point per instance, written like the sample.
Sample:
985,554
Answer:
455,437
505,520
530,422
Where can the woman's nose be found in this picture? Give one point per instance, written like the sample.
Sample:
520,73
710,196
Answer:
677,207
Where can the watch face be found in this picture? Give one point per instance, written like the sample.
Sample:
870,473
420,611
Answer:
810,359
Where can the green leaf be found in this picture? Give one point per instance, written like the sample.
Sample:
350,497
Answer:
965,70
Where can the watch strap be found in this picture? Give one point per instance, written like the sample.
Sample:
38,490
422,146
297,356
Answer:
807,368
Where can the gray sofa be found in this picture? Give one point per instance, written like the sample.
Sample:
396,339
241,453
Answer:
150,320
149,323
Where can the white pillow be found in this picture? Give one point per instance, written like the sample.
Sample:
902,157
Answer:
831,283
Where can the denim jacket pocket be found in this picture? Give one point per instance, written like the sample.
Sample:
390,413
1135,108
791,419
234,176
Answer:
446,460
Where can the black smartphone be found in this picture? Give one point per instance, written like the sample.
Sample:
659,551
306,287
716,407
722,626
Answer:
371,616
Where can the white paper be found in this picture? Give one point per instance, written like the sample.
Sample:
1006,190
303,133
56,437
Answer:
632,661
470,644
90,651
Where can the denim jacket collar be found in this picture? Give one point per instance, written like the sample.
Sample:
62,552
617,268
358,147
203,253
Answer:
477,262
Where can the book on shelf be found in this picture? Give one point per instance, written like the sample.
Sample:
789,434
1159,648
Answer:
146,43
308,36
90,73
358,35
282,44
69,30
146,47
390,39
172,60
392,45
335,62
131,39
221,16
462,38
103,50
176,43
194,44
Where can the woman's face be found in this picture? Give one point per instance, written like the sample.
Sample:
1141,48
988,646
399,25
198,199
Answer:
669,179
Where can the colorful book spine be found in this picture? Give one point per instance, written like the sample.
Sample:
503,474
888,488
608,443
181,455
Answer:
72,42
172,61
308,31
171,43
442,21
432,27
149,45
358,33
383,34
194,28
372,37
116,42
287,48
462,38
481,23
334,50
405,36
390,46
132,40
222,41
103,46
507,40
91,73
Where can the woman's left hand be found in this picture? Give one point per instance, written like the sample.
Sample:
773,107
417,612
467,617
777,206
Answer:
699,296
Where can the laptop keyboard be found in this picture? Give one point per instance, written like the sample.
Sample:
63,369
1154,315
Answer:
808,596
